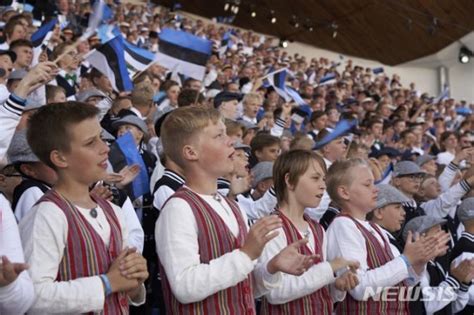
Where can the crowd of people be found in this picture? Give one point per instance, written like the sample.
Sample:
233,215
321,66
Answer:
356,198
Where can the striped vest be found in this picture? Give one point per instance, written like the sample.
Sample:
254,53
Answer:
377,255
214,239
85,254
318,302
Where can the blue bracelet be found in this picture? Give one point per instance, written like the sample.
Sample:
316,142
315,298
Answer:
107,286
405,259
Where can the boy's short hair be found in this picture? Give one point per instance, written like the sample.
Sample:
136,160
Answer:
233,127
181,125
263,140
20,43
339,174
142,95
294,163
49,127
53,90
252,97
189,97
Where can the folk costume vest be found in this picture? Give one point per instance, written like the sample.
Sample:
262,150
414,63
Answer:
85,254
318,302
215,239
377,255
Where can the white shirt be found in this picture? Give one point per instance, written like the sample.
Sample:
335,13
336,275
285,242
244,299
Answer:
27,200
295,287
176,235
347,241
44,233
17,297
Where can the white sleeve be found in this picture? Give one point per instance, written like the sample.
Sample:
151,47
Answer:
161,195
447,176
177,245
444,293
17,297
347,241
278,127
294,287
259,208
10,113
441,206
136,236
317,213
27,200
44,234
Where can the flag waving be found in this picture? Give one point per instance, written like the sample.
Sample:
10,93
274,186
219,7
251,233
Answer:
109,59
189,51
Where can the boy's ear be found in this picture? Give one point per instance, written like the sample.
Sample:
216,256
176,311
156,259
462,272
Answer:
378,214
58,159
343,192
190,153
3,182
258,154
287,182
27,170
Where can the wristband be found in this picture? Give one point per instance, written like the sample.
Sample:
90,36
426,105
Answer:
107,286
405,259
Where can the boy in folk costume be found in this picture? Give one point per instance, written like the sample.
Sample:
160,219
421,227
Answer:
207,253
351,185
299,183
74,241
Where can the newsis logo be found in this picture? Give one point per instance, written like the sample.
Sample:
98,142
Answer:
408,294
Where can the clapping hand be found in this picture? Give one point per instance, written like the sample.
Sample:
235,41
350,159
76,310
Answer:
290,261
9,271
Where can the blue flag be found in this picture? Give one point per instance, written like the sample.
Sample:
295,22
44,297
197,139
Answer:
42,33
140,184
342,127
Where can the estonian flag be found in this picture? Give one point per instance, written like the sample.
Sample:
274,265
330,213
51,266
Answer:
190,52
329,78
109,59
138,58
277,79
341,128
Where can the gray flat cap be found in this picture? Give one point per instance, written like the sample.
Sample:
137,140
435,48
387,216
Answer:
247,124
388,195
131,120
106,136
422,159
421,224
239,145
84,95
406,168
466,209
19,150
261,171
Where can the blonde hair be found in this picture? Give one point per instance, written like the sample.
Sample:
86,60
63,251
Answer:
252,97
340,174
294,163
181,126
142,95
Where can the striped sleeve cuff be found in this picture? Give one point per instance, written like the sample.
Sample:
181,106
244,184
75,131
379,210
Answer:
453,167
280,122
15,104
464,287
452,282
465,185
272,191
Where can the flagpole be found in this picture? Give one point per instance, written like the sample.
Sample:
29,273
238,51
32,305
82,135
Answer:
68,50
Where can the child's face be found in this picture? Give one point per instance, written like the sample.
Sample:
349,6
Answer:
215,151
269,153
310,186
393,217
362,193
86,161
136,133
430,189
